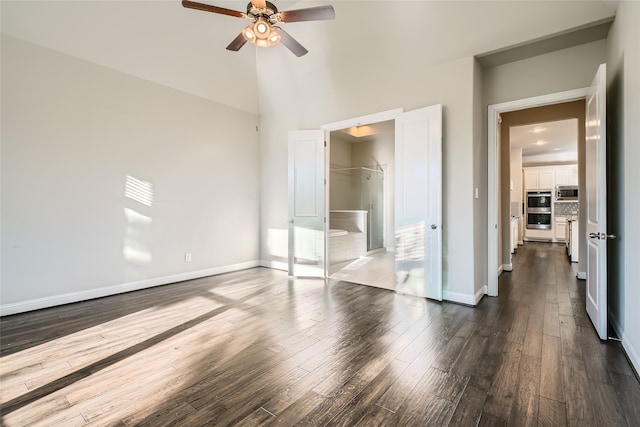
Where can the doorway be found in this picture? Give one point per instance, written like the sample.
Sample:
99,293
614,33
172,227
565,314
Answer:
417,199
499,188
361,204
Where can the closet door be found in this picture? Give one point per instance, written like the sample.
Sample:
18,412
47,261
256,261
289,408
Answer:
306,203
418,257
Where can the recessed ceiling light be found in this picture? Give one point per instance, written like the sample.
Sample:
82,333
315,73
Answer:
540,142
556,149
537,129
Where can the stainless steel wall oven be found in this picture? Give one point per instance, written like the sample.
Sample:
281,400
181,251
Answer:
539,210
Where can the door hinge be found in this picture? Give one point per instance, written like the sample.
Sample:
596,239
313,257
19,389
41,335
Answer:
325,143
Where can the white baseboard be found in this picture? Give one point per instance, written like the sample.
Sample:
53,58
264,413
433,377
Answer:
276,265
582,275
39,303
500,270
507,267
467,299
632,352
481,293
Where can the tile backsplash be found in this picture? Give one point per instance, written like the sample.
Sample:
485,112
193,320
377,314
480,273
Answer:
565,208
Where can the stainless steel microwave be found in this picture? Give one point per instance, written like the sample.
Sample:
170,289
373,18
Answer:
567,192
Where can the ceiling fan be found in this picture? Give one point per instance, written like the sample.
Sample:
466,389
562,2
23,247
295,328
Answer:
263,31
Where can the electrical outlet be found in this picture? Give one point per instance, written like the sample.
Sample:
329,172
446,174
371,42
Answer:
187,257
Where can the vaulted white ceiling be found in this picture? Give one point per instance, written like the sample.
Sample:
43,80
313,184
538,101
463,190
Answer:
185,49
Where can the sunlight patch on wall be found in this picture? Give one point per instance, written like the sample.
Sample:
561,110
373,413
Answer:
138,190
277,242
134,249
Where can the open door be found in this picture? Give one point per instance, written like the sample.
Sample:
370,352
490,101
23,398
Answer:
306,203
596,183
418,196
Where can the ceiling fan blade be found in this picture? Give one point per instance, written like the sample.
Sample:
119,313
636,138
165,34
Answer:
237,43
260,4
208,8
319,13
291,43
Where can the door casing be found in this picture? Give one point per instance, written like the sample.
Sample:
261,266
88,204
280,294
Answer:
493,163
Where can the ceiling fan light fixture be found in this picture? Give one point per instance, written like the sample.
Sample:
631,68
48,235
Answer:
262,28
261,33
248,34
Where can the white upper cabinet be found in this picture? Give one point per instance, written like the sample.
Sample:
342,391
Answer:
547,177
530,179
567,175
539,178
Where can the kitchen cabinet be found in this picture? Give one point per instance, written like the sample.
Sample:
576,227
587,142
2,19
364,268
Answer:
572,238
560,223
567,175
539,178
547,177
514,234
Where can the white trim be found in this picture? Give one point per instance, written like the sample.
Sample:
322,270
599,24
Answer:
507,267
275,265
582,275
493,161
39,303
364,120
632,352
468,299
480,293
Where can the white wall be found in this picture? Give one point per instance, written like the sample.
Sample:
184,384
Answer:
559,71
623,109
72,132
565,69
480,203
319,91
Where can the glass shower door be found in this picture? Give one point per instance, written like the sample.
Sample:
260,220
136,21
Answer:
376,211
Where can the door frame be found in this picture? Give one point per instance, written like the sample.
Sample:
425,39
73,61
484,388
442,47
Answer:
493,164
367,119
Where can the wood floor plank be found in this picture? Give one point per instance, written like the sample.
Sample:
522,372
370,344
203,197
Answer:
551,379
503,389
524,411
469,407
551,320
569,337
256,347
551,413
532,344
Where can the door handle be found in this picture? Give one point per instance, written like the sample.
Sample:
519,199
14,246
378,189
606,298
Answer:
433,226
602,236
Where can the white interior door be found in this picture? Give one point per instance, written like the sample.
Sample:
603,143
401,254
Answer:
418,257
306,203
596,182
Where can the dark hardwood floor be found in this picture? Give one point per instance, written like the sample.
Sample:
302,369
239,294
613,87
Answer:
256,348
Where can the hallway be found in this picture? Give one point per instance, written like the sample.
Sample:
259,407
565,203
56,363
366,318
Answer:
258,348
